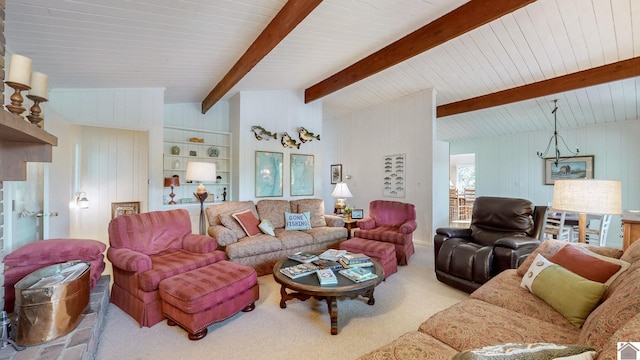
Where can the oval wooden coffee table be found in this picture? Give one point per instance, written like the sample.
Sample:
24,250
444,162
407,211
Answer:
308,286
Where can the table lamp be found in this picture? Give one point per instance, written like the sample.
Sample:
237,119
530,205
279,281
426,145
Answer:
201,172
171,182
587,197
341,192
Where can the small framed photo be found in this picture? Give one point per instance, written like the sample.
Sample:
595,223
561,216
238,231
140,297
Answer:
124,208
578,167
193,153
336,173
357,214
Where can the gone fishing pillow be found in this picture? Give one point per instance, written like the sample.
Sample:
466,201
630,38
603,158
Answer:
293,221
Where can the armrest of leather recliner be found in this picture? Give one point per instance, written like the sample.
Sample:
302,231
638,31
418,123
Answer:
200,244
366,223
128,260
517,242
464,233
408,227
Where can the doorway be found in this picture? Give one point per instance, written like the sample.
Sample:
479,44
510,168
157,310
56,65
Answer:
462,189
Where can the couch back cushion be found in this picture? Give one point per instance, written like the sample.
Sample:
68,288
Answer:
391,213
494,218
228,208
150,233
273,210
314,206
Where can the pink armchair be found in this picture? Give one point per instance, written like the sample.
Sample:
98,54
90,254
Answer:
393,222
148,248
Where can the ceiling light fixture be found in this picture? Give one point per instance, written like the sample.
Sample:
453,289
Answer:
554,138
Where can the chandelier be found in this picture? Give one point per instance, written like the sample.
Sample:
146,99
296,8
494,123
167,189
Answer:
554,138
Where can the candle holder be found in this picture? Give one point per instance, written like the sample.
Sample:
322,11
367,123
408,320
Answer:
36,113
16,99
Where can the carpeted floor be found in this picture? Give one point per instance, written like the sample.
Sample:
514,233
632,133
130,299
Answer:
301,331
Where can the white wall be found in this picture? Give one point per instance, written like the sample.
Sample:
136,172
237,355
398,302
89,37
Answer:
359,141
508,165
276,111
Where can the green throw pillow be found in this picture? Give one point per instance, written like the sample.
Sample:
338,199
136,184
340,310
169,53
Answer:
266,227
570,294
534,351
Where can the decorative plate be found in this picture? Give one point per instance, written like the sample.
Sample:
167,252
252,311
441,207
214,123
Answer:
213,151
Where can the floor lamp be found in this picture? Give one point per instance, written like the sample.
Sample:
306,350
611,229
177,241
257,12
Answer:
587,197
201,172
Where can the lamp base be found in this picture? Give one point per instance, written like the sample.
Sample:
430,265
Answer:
202,196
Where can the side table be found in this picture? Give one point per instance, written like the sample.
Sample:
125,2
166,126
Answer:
350,224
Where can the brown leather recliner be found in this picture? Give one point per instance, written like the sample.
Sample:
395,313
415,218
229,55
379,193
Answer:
503,232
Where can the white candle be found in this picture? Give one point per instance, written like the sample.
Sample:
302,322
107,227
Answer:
20,69
39,84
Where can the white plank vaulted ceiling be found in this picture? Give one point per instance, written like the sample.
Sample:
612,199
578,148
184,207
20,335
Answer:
187,46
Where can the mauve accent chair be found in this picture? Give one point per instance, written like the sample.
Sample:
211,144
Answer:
392,222
148,248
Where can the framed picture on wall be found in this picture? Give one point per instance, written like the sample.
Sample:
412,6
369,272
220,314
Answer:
336,173
268,173
124,208
301,174
357,214
578,167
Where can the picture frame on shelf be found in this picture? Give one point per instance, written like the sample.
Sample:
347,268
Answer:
576,167
336,173
357,214
268,174
124,208
302,177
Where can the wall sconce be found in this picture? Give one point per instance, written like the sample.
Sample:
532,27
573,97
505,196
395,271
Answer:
82,201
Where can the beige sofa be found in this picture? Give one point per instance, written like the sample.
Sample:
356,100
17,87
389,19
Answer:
262,251
501,311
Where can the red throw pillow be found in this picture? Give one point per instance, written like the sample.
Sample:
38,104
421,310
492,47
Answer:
248,221
585,265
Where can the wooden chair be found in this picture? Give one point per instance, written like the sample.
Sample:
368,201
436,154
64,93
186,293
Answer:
454,205
555,227
598,228
469,199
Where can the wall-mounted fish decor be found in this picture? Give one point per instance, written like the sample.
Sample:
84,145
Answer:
262,134
305,135
287,141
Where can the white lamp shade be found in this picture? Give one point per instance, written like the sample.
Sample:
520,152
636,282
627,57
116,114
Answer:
588,196
201,171
341,191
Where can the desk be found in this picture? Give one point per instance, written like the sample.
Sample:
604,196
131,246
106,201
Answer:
350,224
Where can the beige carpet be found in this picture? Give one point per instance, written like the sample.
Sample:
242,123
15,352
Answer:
301,331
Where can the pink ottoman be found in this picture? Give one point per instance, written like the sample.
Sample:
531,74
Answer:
198,298
383,252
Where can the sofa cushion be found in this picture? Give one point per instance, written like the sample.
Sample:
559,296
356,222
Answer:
588,264
526,351
628,332
266,227
293,239
479,324
504,290
248,221
273,210
252,246
412,345
570,294
213,212
314,206
327,235
232,224
295,221
174,262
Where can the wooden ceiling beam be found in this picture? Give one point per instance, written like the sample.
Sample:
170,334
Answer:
467,17
599,75
291,14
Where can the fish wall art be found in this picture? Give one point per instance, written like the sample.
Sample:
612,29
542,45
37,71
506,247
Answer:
305,135
262,134
287,141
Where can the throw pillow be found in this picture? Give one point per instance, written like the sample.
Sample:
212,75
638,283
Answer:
248,221
293,221
534,351
231,224
589,264
266,227
570,294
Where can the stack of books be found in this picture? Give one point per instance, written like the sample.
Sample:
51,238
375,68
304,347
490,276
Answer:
332,254
299,270
327,277
351,260
328,264
303,257
358,274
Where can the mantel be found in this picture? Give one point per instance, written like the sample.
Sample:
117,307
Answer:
21,142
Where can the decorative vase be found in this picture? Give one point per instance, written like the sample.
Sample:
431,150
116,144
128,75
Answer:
175,150
348,216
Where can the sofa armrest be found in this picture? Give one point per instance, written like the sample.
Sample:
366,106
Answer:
366,223
464,233
129,260
222,235
517,242
408,227
200,244
334,220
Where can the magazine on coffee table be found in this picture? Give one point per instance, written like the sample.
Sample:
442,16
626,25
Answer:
358,274
304,257
299,270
